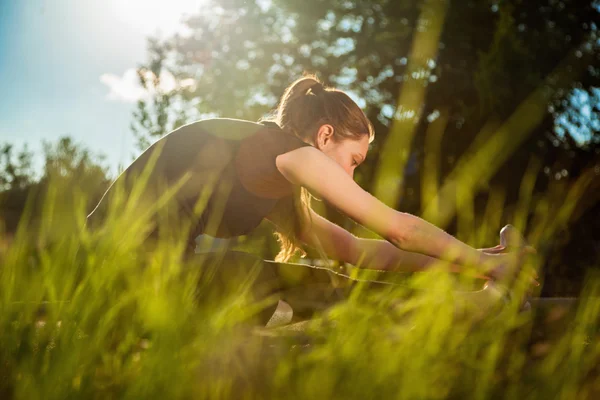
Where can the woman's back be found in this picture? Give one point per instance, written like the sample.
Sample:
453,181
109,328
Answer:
222,173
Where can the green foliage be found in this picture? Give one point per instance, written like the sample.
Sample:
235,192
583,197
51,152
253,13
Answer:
69,169
15,172
158,117
98,314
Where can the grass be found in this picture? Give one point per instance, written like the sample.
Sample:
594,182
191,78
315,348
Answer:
95,315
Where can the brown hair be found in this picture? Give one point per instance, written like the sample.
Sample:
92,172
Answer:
305,106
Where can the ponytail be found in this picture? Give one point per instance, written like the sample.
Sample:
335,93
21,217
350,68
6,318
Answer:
302,87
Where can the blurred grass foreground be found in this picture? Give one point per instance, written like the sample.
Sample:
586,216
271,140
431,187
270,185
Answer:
94,314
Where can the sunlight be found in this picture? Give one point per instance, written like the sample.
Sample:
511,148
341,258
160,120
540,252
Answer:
150,16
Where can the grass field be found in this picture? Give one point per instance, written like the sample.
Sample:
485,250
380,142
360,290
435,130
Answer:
94,315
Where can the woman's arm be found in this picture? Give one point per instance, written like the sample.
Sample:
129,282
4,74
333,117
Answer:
339,244
315,171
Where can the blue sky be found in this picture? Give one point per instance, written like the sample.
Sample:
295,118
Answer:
66,68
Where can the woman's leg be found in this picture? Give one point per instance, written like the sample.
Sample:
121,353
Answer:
306,288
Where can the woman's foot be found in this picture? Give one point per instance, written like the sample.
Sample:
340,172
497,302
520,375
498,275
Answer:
511,239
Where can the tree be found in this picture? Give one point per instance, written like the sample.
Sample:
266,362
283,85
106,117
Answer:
72,178
67,160
15,172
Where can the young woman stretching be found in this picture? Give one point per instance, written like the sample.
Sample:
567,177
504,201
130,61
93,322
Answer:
228,175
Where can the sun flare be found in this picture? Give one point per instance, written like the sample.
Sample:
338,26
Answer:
150,16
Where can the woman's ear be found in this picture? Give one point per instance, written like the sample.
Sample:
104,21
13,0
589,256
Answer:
324,136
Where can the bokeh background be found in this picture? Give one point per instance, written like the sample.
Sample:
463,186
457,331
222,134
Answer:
486,112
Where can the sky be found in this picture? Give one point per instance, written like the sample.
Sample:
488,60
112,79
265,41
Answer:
67,67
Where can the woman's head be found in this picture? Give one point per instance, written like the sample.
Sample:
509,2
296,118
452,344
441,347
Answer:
333,123
328,119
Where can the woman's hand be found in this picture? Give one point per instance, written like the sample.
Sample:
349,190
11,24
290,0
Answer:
504,267
499,249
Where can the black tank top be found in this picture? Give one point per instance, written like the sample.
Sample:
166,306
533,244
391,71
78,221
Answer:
222,173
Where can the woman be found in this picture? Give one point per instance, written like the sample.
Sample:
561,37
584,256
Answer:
227,175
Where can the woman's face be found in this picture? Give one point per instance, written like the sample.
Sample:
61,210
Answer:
348,153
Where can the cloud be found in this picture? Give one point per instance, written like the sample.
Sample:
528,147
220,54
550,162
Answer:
127,88
124,88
